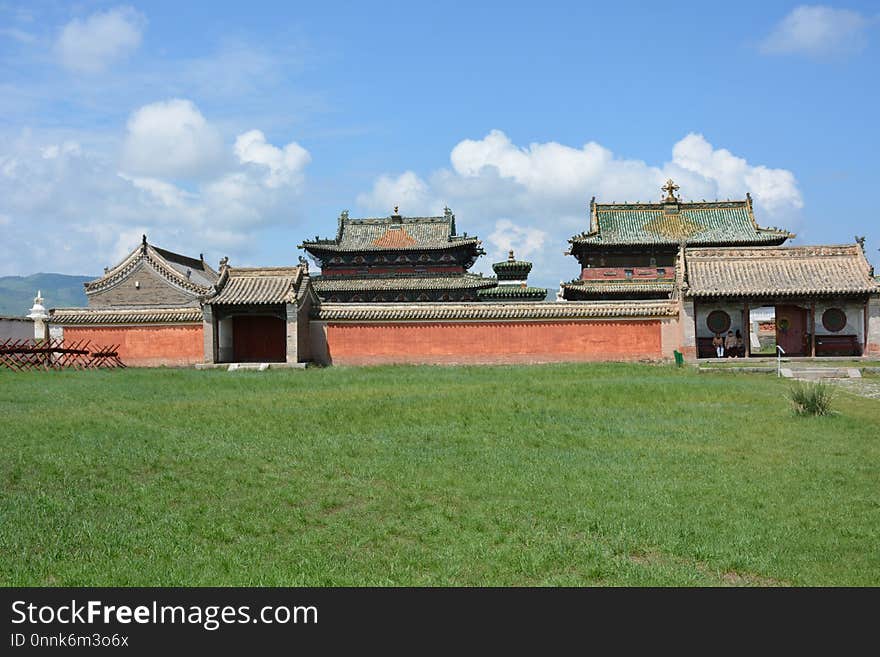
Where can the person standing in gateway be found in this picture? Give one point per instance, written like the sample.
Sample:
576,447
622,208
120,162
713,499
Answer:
730,345
718,343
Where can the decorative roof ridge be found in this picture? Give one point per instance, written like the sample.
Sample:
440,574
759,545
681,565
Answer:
293,270
398,219
801,250
659,205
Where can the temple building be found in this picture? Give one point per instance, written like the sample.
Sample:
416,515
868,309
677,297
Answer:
149,304
397,259
513,284
630,250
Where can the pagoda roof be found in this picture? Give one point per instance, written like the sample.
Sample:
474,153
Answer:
190,274
257,285
778,271
400,282
394,233
672,222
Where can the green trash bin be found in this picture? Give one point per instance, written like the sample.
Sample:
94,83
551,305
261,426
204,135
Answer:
679,358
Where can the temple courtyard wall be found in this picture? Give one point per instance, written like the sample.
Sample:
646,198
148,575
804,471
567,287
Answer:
146,345
480,333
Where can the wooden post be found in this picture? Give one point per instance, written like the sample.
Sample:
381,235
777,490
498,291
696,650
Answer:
747,330
813,329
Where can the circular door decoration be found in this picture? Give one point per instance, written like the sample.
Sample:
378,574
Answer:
718,321
783,324
834,320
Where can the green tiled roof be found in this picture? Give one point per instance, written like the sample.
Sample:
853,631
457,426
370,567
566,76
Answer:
395,233
702,223
512,269
400,282
581,288
513,292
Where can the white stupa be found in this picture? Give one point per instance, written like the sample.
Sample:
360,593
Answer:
40,318
38,312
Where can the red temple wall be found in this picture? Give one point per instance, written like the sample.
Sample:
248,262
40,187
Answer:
146,346
376,343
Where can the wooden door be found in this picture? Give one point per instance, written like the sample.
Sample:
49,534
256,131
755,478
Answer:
791,328
258,339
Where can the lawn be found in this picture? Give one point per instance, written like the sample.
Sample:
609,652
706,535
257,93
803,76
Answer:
606,474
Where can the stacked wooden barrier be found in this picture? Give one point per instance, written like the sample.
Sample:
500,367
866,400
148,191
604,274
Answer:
56,354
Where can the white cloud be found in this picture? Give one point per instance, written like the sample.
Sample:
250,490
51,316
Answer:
817,30
171,139
407,191
534,198
69,207
525,241
93,44
284,165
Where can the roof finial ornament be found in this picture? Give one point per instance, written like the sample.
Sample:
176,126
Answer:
670,188
224,261
396,213
510,257
860,240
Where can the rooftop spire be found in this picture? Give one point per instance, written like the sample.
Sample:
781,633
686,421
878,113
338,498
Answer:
670,188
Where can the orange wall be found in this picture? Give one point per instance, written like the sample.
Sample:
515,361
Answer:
492,342
146,346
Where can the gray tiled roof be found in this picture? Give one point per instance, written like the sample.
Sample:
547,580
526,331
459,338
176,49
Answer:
484,310
395,233
778,271
171,266
257,285
81,316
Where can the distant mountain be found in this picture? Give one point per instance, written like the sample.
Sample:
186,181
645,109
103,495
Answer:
59,290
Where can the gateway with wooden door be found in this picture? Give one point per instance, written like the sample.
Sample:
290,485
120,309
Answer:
821,294
258,315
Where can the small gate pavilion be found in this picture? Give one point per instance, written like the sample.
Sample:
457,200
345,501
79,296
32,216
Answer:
823,296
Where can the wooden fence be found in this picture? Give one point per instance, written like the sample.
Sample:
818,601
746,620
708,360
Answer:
56,354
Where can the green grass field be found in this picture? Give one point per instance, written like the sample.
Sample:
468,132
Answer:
549,475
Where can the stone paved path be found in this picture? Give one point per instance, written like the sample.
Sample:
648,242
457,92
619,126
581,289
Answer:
865,387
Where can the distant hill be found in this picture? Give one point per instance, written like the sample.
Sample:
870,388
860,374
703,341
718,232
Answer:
17,292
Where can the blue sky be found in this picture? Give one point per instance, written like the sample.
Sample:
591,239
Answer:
240,129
